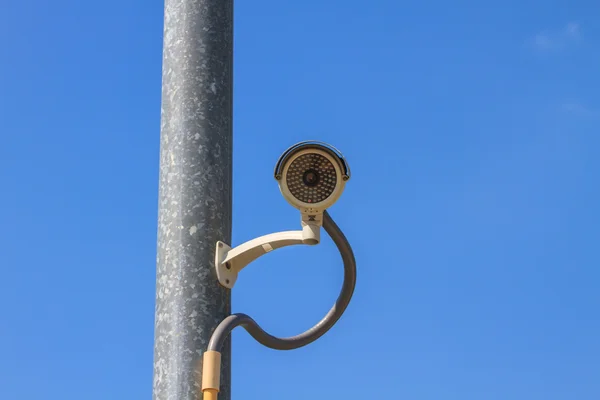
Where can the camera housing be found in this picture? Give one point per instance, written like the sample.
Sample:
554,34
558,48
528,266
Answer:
312,176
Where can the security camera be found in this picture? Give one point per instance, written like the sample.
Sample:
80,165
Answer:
312,176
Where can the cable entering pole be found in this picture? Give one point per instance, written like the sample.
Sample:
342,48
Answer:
225,328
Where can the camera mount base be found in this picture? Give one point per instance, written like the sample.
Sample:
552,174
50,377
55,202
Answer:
230,261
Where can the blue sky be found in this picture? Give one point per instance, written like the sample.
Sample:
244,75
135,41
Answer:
472,130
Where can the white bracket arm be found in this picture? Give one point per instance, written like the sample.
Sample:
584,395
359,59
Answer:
230,261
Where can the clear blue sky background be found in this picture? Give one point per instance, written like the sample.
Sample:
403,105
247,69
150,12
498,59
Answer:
472,129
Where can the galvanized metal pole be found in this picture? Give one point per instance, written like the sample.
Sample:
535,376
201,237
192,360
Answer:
194,192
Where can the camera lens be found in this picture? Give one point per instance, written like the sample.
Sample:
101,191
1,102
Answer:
311,177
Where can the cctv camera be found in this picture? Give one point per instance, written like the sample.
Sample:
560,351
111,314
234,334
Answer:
312,176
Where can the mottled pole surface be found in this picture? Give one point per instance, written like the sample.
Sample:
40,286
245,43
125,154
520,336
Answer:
194,192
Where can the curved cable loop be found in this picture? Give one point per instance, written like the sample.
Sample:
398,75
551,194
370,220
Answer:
294,342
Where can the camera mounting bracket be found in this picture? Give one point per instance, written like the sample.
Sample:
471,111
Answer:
230,261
